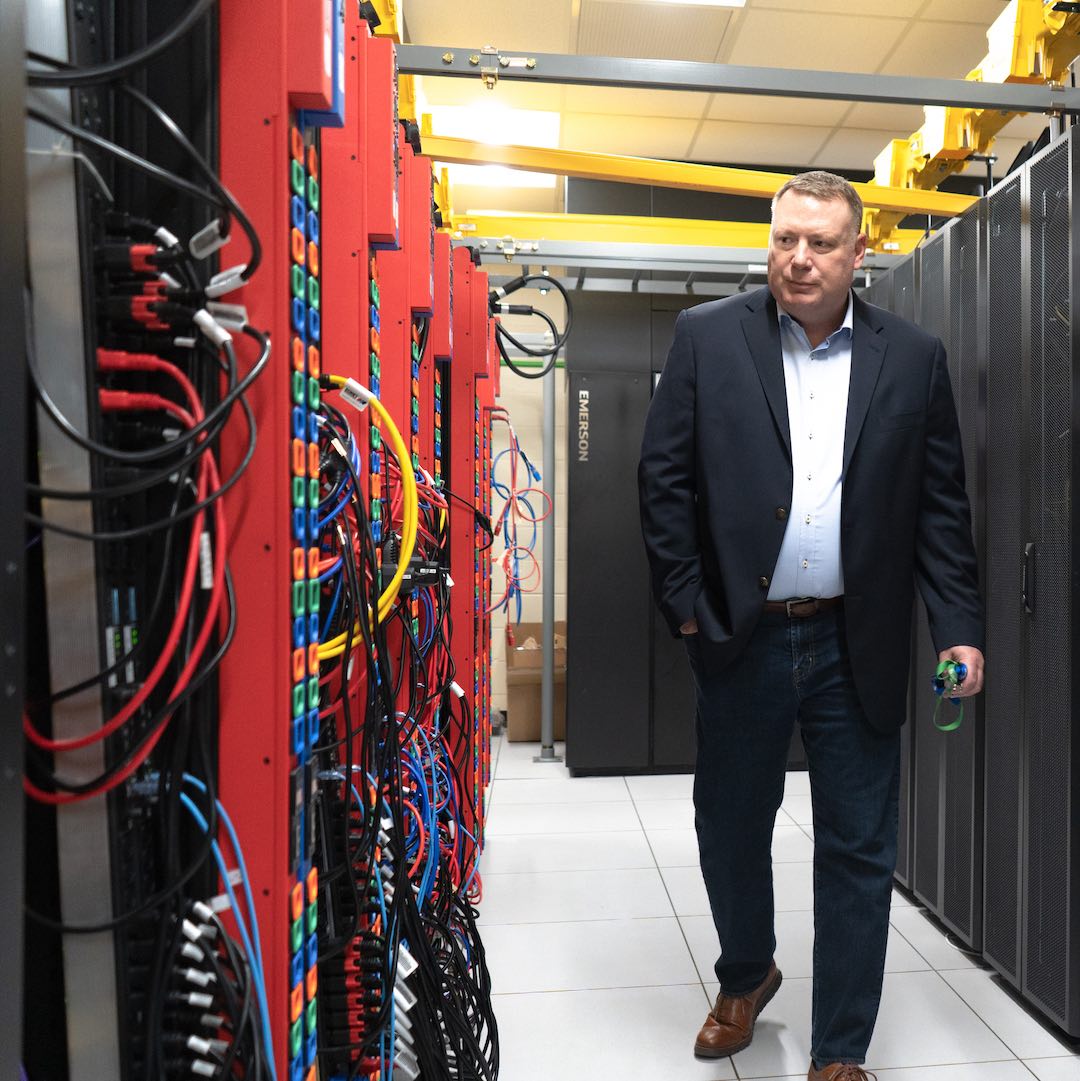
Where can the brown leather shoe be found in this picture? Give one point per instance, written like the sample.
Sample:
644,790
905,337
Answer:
729,1028
840,1071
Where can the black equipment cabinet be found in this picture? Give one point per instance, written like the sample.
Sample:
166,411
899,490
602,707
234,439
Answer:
988,836
629,692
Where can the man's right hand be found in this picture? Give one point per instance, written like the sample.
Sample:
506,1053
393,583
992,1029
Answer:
689,627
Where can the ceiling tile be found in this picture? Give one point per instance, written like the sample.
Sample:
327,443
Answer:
983,12
941,50
856,42
852,148
757,144
895,8
605,99
515,95
901,120
761,110
1029,126
476,197
655,31
541,26
645,137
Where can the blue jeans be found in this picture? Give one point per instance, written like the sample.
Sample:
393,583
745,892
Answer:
797,669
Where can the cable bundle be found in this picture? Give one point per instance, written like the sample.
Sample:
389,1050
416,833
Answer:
517,510
404,986
497,306
167,386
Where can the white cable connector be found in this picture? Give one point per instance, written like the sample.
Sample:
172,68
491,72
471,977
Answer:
406,963
184,342
455,689
201,1068
165,238
449,582
169,280
207,240
198,1045
191,931
356,394
404,997
198,977
225,281
406,1064
210,328
203,911
192,952
198,999
206,561
230,316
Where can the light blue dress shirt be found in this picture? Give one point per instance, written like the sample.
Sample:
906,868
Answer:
817,394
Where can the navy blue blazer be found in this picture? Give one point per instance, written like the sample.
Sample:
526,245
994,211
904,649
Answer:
715,486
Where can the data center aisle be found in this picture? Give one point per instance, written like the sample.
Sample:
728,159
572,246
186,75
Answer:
601,947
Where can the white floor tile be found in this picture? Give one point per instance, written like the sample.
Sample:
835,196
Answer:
561,818
590,954
644,1032
679,848
793,888
929,940
1055,1069
797,783
554,789
663,786
901,900
799,809
794,946
1022,1034
977,1071
516,760
557,852
781,1035
665,814
924,1023
573,895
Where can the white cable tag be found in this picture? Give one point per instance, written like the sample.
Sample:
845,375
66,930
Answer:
206,561
406,963
356,394
207,240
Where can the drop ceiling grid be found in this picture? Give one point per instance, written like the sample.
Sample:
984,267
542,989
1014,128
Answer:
650,30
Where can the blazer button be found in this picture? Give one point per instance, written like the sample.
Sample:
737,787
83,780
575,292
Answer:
763,582
781,514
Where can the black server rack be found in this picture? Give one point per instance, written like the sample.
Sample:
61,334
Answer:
897,293
1050,856
1006,473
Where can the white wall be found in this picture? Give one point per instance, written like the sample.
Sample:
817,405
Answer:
524,399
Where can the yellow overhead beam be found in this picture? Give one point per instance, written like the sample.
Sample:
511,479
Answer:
672,174
625,229
1029,42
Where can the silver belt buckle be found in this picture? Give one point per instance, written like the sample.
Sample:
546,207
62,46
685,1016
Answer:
800,600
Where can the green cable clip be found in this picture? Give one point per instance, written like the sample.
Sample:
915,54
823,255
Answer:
949,676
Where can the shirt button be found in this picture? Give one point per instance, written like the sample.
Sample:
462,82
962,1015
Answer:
811,435
805,564
808,519
763,582
809,476
781,514
811,394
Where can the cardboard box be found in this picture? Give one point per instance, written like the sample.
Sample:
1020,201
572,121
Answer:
527,652
523,704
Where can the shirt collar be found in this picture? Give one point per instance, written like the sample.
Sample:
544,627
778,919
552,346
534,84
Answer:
787,322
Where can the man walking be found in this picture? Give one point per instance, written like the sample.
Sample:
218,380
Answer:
801,469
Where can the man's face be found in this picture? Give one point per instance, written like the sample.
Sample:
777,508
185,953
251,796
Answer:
813,255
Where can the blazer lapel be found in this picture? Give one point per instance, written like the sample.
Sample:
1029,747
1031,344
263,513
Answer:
761,328
867,353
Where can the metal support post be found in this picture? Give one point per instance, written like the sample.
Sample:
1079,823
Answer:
547,684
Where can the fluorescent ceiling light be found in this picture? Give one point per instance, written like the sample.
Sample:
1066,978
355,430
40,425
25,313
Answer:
495,124
705,3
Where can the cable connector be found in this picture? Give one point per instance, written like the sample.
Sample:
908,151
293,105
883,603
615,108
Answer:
230,316
356,394
192,952
226,281
203,911
407,964
197,976
455,689
207,240
211,328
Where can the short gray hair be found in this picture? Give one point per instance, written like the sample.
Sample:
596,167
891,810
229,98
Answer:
823,185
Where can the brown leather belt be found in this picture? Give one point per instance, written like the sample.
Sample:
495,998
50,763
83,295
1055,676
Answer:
802,608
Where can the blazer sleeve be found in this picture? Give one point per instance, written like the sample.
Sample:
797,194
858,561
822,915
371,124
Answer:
667,484
946,567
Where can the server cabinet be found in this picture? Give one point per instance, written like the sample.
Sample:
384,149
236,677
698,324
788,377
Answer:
608,602
1006,473
896,292
1050,947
